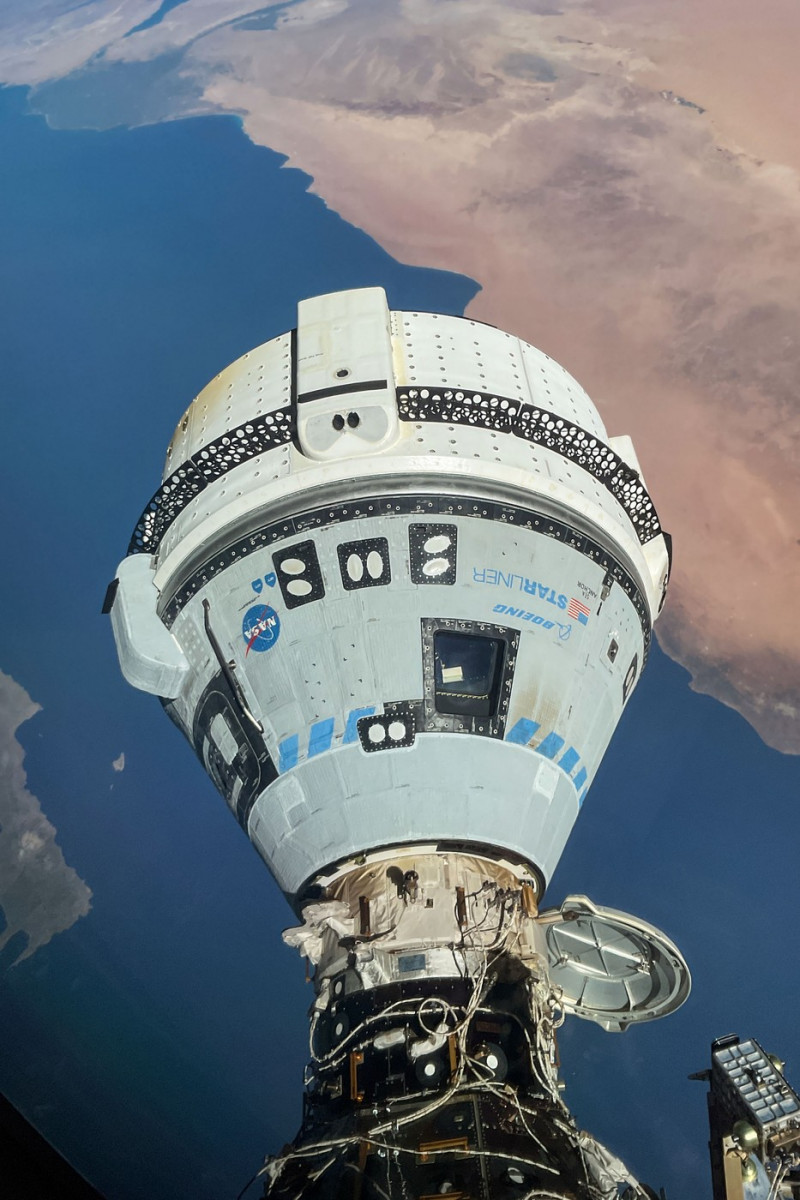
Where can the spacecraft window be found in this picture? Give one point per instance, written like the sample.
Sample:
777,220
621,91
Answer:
467,669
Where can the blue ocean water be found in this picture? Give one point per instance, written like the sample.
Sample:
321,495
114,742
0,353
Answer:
692,823
159,1042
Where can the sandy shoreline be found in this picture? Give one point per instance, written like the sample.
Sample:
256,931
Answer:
558,155
715,438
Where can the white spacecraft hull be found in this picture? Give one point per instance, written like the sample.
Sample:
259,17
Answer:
397,529
396,588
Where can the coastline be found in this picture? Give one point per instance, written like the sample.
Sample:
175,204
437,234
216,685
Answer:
625,186
732,494
168,981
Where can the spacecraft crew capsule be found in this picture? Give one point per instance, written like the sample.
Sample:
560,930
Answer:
394,532
396,588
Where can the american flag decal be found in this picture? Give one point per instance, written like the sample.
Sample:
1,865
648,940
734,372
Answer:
578,611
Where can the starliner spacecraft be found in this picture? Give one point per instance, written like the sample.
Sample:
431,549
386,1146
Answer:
396,588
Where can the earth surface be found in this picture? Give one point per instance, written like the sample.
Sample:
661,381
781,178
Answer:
616,182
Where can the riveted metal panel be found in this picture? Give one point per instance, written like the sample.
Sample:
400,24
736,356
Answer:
299,575
500,508
364,563
433,551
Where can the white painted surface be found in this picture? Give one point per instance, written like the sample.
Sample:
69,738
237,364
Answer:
149,656
358,649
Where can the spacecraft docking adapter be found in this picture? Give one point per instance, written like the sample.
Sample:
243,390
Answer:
396,589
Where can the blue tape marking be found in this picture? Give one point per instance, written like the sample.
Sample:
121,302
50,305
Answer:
580,778
351,728
570,759
320,737
287,751
550,746
522,732
582,797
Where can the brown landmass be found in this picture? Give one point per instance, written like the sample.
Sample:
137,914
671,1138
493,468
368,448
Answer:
39,894
624,232
623,183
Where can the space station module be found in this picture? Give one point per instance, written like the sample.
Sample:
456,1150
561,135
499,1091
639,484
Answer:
396,588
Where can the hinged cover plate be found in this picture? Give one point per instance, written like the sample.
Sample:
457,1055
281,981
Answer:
612,968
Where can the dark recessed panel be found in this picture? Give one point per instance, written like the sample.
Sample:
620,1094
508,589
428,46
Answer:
630,678
364,563
299,574
468,672
396,728
432,552
243,777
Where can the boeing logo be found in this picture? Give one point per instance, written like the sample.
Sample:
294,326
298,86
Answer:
575,609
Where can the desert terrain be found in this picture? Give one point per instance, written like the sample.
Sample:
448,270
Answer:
621,178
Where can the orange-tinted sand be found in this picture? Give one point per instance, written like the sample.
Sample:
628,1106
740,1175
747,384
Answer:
556,153
633,239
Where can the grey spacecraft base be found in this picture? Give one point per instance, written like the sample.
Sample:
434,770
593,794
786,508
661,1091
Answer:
396,588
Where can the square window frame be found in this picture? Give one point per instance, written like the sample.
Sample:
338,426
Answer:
460,703
434,721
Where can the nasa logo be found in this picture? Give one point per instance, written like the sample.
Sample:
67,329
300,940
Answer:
261,628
